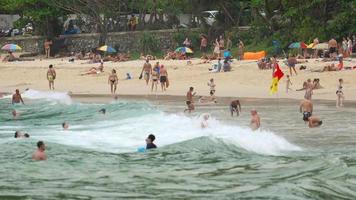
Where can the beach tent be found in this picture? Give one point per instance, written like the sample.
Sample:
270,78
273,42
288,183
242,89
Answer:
321,46
297,45
254,55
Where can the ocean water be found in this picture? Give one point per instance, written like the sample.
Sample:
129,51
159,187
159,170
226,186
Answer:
97,157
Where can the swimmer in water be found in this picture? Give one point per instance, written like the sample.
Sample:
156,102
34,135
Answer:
204,123
102,111
40,154
16,98
149,142
65,126
255,120
19,134
314,122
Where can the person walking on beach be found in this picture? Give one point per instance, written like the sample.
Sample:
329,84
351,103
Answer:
163,78
255,120
113,80
309,90
17,98
332,44
212,85
47,47
240,53
40,154
221,45
306,107
146,71
288,84
316,51
235,106
154,79
203,45
340,94
190,102
292,61
51,76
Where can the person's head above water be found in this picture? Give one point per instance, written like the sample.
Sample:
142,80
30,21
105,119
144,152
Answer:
41,146
65,125
150,138
253,112
103,111
206,116
191,89
50,66
17,91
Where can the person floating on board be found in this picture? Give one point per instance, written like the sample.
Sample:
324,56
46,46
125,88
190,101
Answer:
149,142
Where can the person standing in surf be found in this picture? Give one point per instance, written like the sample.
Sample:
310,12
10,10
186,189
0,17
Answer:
255,120
306,107
51,76
235,106
16,98
190,102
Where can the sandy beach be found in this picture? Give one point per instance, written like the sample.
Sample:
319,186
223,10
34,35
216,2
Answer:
244,81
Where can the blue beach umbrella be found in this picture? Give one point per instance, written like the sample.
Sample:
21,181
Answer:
107,48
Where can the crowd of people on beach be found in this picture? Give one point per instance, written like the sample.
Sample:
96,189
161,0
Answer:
158,75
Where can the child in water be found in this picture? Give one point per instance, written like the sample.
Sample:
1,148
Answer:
149,142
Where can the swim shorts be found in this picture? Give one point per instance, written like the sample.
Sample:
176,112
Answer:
306,116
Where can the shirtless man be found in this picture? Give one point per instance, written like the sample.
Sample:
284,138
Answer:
314,122
309,90
147,71
332,47
204,123
255,120
235,106
51,76
39,154
163,78
306,107
16,98
190,102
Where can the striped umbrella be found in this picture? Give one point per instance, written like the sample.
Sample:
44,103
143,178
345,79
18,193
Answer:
184,50
297,45
11,47
107,48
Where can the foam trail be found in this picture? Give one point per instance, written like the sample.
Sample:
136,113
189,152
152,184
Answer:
128,134
61,97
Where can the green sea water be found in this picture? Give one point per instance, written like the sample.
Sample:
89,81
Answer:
97,157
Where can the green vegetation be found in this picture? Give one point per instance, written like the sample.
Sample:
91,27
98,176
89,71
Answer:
283,20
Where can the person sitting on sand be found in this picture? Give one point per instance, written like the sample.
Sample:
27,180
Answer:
204,123
255,120
306,108
17,98
40,154
95,70
235,106
226,66
149,142
314,122
113,80
19,134
10,58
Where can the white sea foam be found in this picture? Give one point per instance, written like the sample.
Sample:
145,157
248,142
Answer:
129,134
61,97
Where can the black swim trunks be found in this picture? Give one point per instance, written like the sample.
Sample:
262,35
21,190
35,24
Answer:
212,92
151,146
188,103
332,50
204,49
306,116
163,79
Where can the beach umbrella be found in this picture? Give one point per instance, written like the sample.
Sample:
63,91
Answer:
184,50
107,48
311,45
321,46
297,45
11,47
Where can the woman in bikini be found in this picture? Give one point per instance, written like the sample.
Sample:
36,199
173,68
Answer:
154,77
112,80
